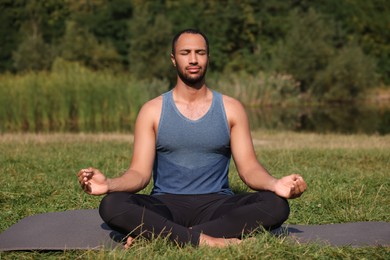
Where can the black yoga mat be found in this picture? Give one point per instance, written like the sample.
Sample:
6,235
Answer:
84,229
73,229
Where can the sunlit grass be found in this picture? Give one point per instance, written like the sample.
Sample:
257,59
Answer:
347,175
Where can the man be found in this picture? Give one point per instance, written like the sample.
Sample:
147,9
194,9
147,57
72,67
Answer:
185,139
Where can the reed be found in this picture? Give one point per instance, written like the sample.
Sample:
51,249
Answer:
262,89
71,98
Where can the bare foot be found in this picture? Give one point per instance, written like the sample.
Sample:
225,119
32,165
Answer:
129,242
205,240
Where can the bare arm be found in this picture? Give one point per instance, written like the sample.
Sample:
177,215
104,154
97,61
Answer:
139,173
249,168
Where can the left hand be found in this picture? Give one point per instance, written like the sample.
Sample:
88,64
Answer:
290,187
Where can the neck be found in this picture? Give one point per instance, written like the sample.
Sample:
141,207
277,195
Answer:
190,94
192,103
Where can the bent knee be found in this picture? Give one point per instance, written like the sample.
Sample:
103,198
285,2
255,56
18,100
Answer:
281,211
284,210
110,205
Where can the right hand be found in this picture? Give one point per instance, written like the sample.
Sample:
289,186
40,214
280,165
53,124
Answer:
290,187
92,181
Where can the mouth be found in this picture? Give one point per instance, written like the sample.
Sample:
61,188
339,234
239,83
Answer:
193,69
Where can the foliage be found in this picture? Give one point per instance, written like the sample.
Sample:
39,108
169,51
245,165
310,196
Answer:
10,23
33,54
329,74
108,21
297,38
306,48
347,75
41,25
150,43
367,23
79,45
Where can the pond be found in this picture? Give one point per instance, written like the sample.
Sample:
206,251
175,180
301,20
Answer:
345,119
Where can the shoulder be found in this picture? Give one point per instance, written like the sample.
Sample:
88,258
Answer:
235,111
230,102
150,112
152,105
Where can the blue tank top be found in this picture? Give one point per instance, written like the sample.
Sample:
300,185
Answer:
192,156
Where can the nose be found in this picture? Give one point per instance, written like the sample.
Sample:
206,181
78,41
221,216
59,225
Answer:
193,58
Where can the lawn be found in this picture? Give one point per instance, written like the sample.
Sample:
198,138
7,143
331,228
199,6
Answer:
348,178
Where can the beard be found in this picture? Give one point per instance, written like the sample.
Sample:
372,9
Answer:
189,79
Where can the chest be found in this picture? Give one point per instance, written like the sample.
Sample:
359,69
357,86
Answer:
203,128
193,111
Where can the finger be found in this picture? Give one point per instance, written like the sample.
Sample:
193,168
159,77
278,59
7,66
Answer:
83,185
83,177
298,188
83,171
88,188
80,173
294,176
301,185
88,175
295,194
292,191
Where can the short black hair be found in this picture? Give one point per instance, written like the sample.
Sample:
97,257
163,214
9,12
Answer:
192,31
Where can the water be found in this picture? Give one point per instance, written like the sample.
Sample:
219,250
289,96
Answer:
345,119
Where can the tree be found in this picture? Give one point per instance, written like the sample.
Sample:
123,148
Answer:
80,45
33,54
365,23
150,34
306,49
347,75
12,12
107,20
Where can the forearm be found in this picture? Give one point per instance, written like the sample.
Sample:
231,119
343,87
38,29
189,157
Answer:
131,181
258,178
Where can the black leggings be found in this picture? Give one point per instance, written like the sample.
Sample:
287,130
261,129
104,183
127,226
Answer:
182,218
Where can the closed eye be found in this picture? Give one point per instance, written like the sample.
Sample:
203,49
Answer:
201,52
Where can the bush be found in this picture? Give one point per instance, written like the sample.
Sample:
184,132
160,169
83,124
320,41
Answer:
33,54
78,44
306,49
347,75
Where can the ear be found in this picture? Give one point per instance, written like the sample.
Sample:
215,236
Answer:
173,60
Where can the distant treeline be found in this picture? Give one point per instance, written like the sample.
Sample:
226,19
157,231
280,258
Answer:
334,49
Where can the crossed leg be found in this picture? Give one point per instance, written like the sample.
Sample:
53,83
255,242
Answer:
228,217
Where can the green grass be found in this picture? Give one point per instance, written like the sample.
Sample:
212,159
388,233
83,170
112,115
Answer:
348,179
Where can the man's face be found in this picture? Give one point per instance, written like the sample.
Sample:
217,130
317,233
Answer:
190,58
